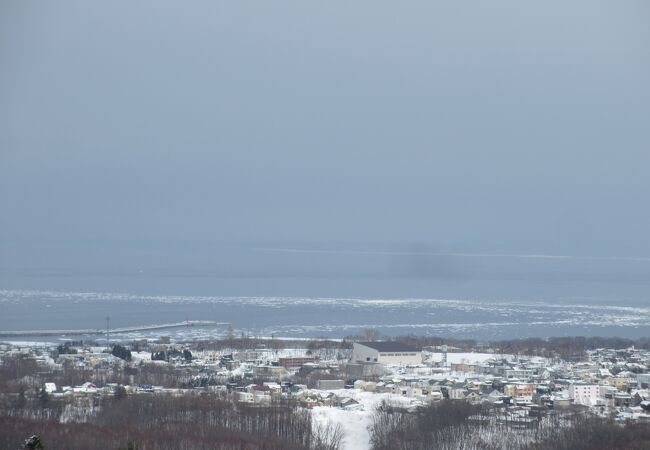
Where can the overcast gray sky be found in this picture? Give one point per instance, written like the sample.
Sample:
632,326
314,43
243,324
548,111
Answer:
488,126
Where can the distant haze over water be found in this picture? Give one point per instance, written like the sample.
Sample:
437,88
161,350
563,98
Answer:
323,290
314,156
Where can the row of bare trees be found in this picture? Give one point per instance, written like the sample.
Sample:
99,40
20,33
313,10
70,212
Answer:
570,347
20,373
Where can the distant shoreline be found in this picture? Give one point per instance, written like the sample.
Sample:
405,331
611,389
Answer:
186,323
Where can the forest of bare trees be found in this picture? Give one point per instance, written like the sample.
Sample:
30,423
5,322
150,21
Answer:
161,422
451,425
211,421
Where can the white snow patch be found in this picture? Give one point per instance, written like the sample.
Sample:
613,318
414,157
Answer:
466,358
355,423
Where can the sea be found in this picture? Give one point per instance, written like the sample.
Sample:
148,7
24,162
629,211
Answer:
50,291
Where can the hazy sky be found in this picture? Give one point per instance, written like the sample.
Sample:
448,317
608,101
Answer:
488,126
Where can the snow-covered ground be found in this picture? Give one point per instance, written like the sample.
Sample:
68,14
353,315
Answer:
466,358
355,422
18,343
136,357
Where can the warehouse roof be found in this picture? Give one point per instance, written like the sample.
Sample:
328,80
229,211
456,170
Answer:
389,346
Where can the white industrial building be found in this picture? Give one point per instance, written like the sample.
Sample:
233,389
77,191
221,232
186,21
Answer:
385,352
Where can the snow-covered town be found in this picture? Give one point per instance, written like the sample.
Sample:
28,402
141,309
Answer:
341,383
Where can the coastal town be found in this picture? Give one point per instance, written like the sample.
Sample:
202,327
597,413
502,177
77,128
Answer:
340,382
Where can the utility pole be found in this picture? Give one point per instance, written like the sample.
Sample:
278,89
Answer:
108,338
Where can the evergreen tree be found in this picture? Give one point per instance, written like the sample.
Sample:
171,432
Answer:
33,443
158,356
119,392
43,397
21,400
121,352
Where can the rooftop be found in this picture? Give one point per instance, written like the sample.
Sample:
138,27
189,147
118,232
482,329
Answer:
389,346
